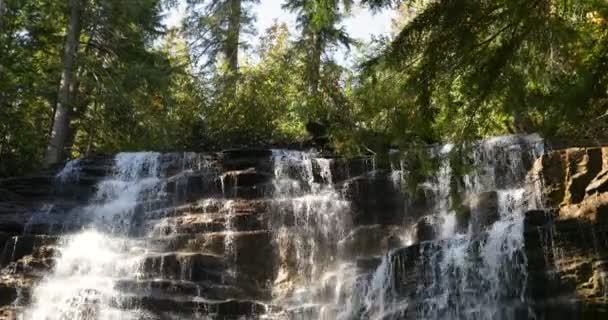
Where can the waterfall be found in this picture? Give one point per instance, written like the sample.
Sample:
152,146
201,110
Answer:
285,234
465,274
81,285
308,243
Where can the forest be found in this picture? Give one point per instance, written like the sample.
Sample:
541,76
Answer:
95,76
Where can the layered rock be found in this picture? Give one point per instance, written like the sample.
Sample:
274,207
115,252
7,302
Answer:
567,244
301,235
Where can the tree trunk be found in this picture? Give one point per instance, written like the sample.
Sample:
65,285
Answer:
315,64
58,142
231,47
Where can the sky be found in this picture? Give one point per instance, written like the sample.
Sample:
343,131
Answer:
362,25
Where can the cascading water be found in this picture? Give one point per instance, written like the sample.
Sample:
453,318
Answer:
82,285
311,217
286,234
471,273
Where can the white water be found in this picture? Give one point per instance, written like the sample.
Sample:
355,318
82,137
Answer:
308,244
468,275
81,286
69,172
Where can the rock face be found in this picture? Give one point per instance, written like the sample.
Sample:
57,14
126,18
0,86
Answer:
567,244
282,234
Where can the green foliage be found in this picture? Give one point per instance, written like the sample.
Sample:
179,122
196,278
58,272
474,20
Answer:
477,68
214,27
454,70
129,93
29,65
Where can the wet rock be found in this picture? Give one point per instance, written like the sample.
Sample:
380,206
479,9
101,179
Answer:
599,184
4,239
8,294
33,188
551,170
248,183
367,265
187,266
424,229
375,200
420,202
481,211
583,166
8,313
344,169
373,240
191,187
242,159
566,265
175,309
20,246
567,174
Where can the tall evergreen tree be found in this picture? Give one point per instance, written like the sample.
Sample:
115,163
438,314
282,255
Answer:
318,21
215,29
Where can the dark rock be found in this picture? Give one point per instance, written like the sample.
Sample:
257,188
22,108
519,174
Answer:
19,246
375,200
372,240
421,202
583,166
175,308
551,168
190,267
248,184
424,229
7,295
566,265
242,159
599,184
482,210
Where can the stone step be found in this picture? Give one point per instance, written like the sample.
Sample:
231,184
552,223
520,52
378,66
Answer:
170,308
211,242
175,163
205,223
242,159
180,289
33,187
184,266
15,289
20,246
244,178
206,206
371,240
191,186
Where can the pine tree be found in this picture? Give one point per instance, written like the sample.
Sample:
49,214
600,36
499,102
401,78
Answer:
318,21
215,29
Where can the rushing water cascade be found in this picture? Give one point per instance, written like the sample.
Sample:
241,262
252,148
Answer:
311,217
90,262
477,272
283,234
